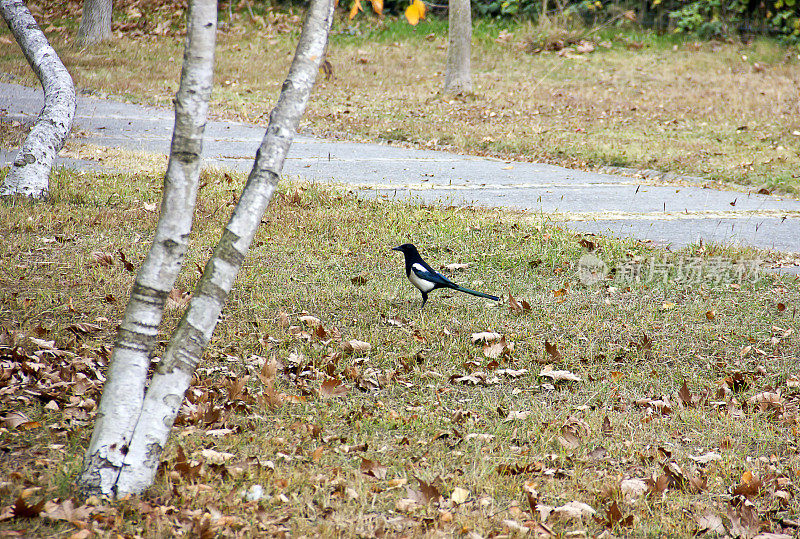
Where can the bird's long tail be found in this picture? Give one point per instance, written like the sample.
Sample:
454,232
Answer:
475,293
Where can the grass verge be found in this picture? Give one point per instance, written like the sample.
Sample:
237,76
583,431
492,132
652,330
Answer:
667,408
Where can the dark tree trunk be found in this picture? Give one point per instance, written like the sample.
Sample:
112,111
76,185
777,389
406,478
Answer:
95,22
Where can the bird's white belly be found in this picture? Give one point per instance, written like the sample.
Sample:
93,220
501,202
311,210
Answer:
421,284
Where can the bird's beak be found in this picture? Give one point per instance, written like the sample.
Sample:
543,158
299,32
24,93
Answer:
396,248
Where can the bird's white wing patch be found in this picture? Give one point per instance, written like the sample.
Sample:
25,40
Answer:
421,284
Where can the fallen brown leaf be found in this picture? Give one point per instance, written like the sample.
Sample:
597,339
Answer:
552,351
332,387
373,468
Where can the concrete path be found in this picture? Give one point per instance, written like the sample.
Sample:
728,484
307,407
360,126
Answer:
588,202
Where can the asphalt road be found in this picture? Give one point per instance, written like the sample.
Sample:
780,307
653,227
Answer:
674,215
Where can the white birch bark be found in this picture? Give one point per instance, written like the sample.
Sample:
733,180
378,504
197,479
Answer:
30,173
124,389
173,374
458,77
95,22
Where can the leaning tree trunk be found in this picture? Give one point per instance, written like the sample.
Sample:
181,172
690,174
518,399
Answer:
95,22
141,450
125,382
174,373
30,172
457,77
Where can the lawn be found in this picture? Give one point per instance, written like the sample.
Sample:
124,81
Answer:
725,112
657,399
329,404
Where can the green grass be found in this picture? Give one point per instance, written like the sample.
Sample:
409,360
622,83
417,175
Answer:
408,412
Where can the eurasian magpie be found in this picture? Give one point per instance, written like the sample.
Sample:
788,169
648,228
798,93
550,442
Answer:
427,279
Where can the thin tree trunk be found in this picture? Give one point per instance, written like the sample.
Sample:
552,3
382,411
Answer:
141,452
95,22
457,74
125,384
174,373
30,172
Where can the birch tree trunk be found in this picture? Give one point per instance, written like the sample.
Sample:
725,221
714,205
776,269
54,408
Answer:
30,172
125,381
135,471
95,22
459,47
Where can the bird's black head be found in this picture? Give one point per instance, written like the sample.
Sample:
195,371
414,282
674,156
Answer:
406,249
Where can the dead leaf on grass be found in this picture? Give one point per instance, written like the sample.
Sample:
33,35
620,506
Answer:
677,478
66,510
14,419
332,387
517,415
559,376
606,427
102,258
125,262
498,348
21,508
552,351
572,511
708,522
570,438
427,492
744,518
355,346
517,469
84,328
485,337
373,468
476,378
614,517
452,268
597,454
706,458
749,485
360,279
186,470
178,298
684,395
406,505
459,495
768,401
310,321
518,305
216,457
283,319
633,489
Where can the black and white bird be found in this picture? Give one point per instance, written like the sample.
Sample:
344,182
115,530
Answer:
427,279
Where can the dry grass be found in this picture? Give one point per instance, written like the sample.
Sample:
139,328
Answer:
401,406
724,111
12,133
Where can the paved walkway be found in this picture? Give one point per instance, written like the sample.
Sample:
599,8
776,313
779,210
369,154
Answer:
585,201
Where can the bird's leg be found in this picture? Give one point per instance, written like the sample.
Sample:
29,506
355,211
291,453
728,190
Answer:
424,299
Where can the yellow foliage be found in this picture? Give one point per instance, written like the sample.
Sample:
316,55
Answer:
355,8
377,7
415,12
